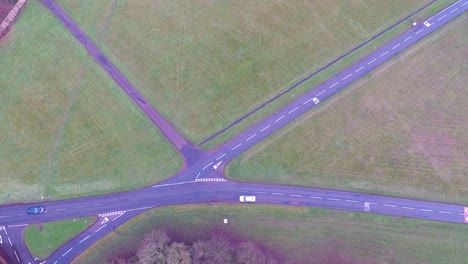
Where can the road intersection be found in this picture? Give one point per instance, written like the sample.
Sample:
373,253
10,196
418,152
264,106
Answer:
202,180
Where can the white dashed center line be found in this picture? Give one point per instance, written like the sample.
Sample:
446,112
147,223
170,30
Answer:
100,228
265,128
445,212
278,193
408,38
389,205
464,4
207,165
321,93
221,156
315,197
352,201
83,240
349,75
252,136
410,208
396,46
67,252
333,199
283,116
259,192
295,195
362,67
333,84
293,110
419,31
383,54
426,210
238,145
441,17
453,10
302,104
371,61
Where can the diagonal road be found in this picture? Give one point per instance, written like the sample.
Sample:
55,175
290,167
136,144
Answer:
184,146
194,185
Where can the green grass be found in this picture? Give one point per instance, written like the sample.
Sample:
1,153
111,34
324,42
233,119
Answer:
401,131
43,239
302,235
204,63
67,129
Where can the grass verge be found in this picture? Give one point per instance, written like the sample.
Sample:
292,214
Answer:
219,59
67,129
301,235
43,239
400,131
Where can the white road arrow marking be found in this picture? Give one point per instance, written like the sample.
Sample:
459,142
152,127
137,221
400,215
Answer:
105,220
217,165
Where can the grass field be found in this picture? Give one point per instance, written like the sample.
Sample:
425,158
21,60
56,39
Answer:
204,63
402,131
302,235
67,129
43,239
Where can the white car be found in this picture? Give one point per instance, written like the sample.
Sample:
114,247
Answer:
247,199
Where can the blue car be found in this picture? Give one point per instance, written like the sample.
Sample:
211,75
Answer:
36,210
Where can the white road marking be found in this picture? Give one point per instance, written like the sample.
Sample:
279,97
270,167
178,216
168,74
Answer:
349,75
362,67
352,201
264,128
408,38
96,204
62,209
252,136
302,104
389,205
441,17
283,116
426,210
419,31
117,217
405,207
220,157
371,61
67,252
259,192
83,240
278,193
16,255
100,228
295,195
81,206
321,93
445,212
333,84
293,110
333,199
371,203
56,262
383,54
453,10
464,4
315,197
396,46
105,220
238,145
217,165
11,244
207,165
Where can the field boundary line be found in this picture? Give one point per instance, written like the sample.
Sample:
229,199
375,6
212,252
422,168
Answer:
297,84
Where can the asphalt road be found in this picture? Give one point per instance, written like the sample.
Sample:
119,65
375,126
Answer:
195,184
184,146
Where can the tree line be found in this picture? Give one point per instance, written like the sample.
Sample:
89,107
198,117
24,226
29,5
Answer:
157,248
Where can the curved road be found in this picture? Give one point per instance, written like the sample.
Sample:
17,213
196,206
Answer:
195,184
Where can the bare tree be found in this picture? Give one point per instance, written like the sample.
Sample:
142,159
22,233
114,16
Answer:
249,253
178,253
154,248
